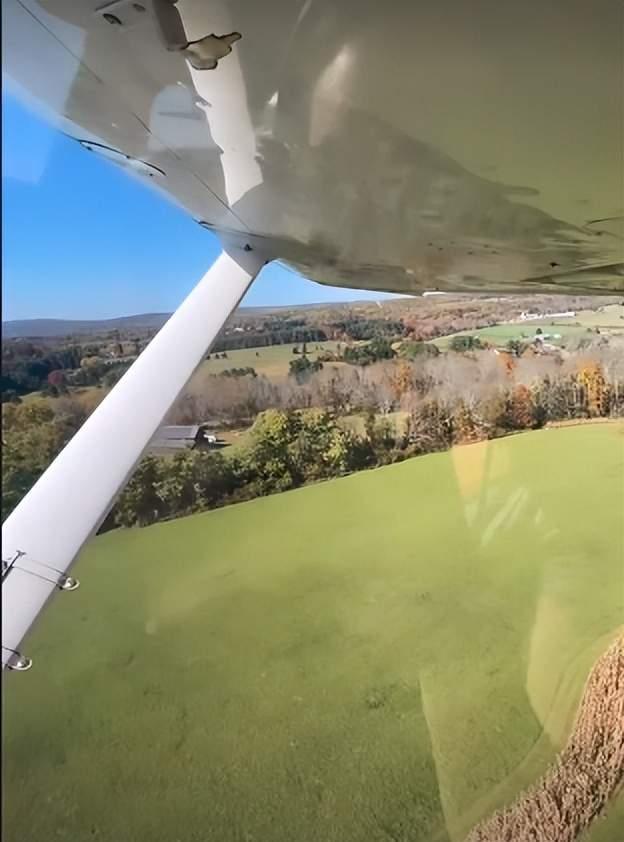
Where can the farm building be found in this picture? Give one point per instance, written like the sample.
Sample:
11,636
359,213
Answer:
169,439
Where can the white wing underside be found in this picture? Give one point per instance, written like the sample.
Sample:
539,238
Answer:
403,146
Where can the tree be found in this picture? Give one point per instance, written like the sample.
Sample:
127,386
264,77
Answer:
380,436
516,347
413,350
497,413
321,447
139,504
597,393
380,348
303,367
56,378
468,423
560,399
401,380
175,486
69,416
538,400
431,427
461,344
268,462
521,411
377,349
30,443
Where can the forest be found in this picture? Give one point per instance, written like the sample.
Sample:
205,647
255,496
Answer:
326,420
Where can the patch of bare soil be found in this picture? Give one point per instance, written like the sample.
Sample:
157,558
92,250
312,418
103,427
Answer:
576,788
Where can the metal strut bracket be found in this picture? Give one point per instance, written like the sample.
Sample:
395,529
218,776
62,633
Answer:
204,53
15,660
22,561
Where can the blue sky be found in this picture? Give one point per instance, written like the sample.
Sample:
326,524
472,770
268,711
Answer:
81,240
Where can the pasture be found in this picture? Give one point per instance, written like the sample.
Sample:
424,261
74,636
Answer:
388,656
272,361
608,319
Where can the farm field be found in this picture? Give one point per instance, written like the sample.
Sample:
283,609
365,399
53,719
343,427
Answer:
388,656
610,318
272,361
611,315
501,334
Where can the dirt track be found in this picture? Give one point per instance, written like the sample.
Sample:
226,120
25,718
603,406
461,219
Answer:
586,773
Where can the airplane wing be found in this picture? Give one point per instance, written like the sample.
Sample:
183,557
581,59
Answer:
404,146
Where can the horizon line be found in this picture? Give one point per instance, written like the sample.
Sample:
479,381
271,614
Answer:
170,312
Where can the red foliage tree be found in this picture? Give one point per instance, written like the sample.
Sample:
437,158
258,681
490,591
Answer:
56,378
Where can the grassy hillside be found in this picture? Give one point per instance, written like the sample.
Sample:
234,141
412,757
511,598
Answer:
383,657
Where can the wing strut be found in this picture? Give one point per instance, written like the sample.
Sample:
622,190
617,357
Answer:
42,537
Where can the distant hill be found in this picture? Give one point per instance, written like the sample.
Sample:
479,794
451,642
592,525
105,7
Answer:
65,327
49,328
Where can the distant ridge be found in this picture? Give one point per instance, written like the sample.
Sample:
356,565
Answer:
48,328
64,327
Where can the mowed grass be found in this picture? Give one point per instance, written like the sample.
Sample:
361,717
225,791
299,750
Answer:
387,656
609,316
610,319
272,361
500,335
608,827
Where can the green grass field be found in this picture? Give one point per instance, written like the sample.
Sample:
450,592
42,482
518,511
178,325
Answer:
609,316
271,361
610,319
381,658
501,334
608,827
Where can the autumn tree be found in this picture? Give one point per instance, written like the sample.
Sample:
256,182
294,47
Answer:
401,379
521,408
431,427
56,378
596,389
468,423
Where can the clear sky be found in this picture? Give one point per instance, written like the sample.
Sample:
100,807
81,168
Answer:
81,240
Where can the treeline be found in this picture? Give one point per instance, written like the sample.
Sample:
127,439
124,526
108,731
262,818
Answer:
379,348
289,448
286,450
33,433
444,402
391,385
28,367
359,328
263,339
